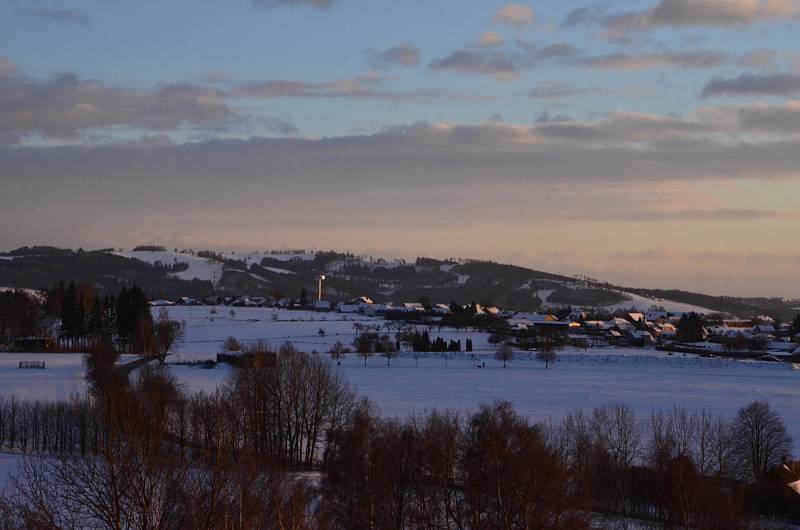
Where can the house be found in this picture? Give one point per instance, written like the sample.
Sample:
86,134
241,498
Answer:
376,310
621,324
442,309
161,303
635,318
576,315
594,324
654,316
412,307
322,305
356,305
185,300
763,329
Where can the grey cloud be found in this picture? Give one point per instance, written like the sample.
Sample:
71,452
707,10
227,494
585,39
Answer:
477,61
718,214
718,13
420,154
6,67
62,106
531,54
317,4
554,90
403,54
779,119
361,87
625,61
763,59
584,15
546,117
778,84
67,16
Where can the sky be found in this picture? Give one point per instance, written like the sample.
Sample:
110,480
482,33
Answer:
650,143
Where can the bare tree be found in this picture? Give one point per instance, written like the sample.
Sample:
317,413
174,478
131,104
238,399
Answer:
167,335
504,352
546,351
761,439
388,348
338,351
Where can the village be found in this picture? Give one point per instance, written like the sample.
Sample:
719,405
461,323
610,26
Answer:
713,334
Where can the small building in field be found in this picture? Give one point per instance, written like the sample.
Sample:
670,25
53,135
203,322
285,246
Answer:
322,306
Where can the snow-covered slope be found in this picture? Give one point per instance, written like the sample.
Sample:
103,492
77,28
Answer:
199,268
643,304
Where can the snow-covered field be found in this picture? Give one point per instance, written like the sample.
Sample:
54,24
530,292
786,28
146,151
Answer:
205,331
8,466
646,379
62,377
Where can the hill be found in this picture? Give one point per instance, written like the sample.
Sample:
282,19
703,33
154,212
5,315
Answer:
171,274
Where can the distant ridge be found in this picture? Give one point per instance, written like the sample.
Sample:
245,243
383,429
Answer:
171,274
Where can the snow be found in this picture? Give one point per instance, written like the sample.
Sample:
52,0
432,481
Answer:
447,267
62,377
199,268
462,279
643,304
543,294
645,379
33,293
8,466
279,271
205,331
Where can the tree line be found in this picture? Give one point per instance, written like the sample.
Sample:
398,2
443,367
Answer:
143,454
78,318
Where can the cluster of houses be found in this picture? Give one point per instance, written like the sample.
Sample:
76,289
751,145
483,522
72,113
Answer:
623,329
627,329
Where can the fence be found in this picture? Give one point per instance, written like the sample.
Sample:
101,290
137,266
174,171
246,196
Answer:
37,365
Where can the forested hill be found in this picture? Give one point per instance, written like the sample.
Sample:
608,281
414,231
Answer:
171,274
43,267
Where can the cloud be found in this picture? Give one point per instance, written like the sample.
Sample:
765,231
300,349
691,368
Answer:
370,86
516,15
506,61
761,59
777,84
66,105
666,13
625,61
404,54
63,106
623,147
317,4
546,117
6,67
490,38
477,61
554,90
781,119
65,16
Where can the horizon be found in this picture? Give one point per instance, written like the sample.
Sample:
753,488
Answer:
651,144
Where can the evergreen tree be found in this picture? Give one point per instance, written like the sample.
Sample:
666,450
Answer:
794,329
469,345
690,328
303,297
96,327
133,319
